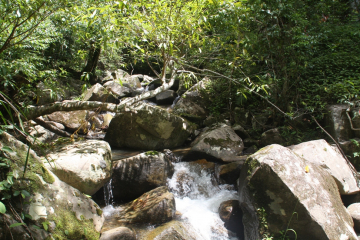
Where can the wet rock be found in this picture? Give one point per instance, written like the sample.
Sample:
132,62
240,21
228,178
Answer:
99,93
51,199
72,120
272,136
231,214
116,89
230,172
337,122
148,127
84,165
166,98
154,207
322,154
136,175
219,142
354,210
277,182
173,230
192,103
119,233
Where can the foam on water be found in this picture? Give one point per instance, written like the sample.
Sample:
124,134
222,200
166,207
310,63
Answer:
198,200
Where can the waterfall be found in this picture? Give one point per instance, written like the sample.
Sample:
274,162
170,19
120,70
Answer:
174,102
108,193
198,200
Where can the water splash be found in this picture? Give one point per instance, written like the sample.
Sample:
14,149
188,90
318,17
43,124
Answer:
198,200
108,193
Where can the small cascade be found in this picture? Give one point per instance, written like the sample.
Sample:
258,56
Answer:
174,102
198,200
108,193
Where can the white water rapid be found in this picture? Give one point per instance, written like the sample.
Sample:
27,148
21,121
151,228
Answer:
198,200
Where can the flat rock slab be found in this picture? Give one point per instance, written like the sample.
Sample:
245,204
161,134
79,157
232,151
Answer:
85,165
277,182
322,154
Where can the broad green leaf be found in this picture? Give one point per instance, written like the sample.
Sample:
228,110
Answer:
17,224
2,208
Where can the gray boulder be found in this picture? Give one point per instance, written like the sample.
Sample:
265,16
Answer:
148,127
272,136
117,90
166,98
354,211
275,183
84,165
173,230
136,175
321,153
192,104
154,207
72,120
100,94
338,123
69,213
219,142
119,233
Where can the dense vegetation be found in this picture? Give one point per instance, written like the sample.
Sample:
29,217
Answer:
297,54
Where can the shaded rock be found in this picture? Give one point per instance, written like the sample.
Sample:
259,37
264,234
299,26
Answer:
73,120
51,199
355,119
46,95
354,211
166,98
173,230
240,131
219,142
259,121
242,116
41,134
156,206
119,233
116,89
230,172
99,93
231,214
351,149
84,165
136,175
272,136
148,127
19,232
250,150
192,103
322,154
277,182
248,142
337,122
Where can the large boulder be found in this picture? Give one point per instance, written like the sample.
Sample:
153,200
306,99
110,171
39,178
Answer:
154,207
230,213
275,184
192,104
166,98
117,89
338,123
73,120
139,174
272,136
173,230
354,211
84,165
321,153
100,94
148,127
119,233
219,142
67,212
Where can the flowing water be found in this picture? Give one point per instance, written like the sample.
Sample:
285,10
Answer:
197,198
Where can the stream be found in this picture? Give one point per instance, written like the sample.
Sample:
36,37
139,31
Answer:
197,199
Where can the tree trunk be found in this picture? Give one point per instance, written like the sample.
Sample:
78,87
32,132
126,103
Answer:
93,58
